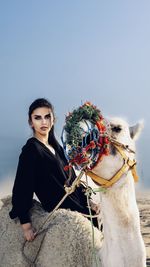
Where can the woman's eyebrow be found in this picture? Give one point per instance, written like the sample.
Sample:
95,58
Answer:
35,115
48,115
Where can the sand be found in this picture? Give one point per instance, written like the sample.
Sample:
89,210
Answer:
143,200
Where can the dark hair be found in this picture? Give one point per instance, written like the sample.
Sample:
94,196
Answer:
39,103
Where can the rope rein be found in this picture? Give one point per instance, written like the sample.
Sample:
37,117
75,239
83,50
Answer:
92,226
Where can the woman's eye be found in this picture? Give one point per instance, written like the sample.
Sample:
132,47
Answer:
48,116
37,118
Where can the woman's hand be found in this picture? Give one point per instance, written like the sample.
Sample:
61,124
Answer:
29,233
95,206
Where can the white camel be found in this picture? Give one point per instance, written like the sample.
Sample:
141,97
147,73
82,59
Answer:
68,239
123,245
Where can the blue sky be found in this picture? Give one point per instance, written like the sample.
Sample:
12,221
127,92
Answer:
70,52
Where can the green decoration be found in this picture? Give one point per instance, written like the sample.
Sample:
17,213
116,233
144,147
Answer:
72,127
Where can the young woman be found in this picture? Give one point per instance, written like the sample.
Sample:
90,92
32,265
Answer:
41,171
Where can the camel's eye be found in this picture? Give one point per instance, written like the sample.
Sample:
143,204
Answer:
116,129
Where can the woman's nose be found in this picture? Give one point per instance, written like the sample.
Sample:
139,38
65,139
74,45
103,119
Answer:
43,121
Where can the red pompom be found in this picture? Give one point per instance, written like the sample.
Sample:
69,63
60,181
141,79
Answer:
67,167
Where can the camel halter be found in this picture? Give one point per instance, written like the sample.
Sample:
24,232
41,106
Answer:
127,166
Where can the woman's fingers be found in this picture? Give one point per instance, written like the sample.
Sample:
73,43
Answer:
95,207
29,235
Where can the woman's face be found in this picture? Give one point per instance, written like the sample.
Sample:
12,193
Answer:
42,120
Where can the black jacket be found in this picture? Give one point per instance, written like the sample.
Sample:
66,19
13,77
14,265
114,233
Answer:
41,172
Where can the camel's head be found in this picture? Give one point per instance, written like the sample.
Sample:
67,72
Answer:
87,137
123,133
121,148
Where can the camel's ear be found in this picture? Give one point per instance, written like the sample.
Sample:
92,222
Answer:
136,130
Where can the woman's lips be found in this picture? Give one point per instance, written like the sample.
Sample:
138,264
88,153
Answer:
44,128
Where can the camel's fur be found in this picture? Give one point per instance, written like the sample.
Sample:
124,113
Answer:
67,243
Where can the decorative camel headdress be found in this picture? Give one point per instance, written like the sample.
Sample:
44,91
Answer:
85,136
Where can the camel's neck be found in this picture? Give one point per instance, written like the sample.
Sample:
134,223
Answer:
121,227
